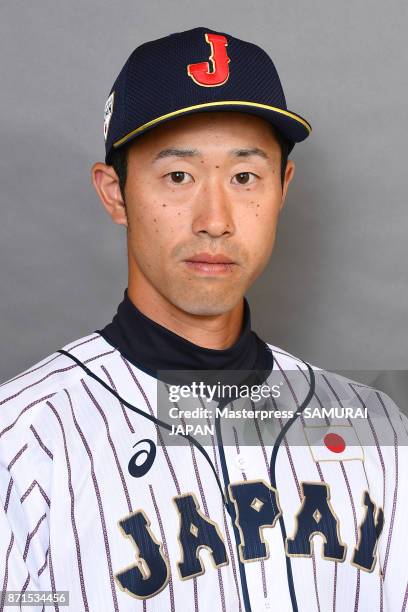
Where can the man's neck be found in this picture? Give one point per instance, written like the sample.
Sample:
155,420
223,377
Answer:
209,331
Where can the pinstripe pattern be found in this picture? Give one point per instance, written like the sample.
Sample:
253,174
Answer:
25,585
53,373
31,535
14,459
35,403
395,495
101,412
100,507
353,508
374,433
37,382
77,344
6,572
44,565
404,603
30,488
10,486
72,502
30,371
41,443
112,384
294,474
52,579
380,455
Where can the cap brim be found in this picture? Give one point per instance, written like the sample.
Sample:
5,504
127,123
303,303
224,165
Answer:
294,127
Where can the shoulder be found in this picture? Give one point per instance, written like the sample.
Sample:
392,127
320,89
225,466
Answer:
30,415
334,388
24,397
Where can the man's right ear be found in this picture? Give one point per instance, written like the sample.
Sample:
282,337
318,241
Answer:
106,183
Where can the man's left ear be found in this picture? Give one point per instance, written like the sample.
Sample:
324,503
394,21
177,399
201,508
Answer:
289,174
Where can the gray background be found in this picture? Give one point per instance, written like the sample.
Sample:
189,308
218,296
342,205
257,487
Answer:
335,292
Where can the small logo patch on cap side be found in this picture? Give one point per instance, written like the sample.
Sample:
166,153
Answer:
108,114
219,74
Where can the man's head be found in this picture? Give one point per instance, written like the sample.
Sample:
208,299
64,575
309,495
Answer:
206,183
197,136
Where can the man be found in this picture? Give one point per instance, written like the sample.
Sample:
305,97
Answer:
106,491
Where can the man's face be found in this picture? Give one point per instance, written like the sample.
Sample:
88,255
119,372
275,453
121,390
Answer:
207,183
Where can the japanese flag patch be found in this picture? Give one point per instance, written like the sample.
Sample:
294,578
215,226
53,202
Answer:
334,443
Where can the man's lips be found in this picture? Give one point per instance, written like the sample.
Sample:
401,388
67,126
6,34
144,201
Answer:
214,265
208,258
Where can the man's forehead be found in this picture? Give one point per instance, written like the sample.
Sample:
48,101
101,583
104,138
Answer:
211,123
230,134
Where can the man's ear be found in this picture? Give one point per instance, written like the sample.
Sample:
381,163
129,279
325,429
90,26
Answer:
289,174
106,183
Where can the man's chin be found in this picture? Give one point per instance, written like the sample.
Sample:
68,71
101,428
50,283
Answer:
207,303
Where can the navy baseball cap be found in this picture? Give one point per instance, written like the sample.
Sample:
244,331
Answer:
195,71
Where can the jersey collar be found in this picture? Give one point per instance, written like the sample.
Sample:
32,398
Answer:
154,348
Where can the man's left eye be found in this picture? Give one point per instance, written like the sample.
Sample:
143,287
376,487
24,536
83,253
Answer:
244,178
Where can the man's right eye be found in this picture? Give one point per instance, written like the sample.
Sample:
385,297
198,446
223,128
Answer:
179,178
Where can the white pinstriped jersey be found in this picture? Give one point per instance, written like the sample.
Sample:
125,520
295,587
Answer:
65,448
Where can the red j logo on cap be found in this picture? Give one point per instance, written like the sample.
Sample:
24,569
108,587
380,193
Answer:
201,74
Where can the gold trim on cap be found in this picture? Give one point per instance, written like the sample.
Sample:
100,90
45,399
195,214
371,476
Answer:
180,111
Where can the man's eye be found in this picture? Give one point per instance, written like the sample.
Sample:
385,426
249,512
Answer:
244,178
180,178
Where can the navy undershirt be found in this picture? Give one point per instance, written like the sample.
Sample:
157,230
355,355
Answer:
156,349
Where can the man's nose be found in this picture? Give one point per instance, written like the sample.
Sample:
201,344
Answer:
213,210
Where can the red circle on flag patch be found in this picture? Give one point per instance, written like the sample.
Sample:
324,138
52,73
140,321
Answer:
334,442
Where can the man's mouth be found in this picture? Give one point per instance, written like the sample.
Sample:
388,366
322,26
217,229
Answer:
210,264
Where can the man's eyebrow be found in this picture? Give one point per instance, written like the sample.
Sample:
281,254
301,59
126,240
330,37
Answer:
249,152
172,152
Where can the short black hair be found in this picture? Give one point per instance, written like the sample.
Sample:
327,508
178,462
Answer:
118,159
